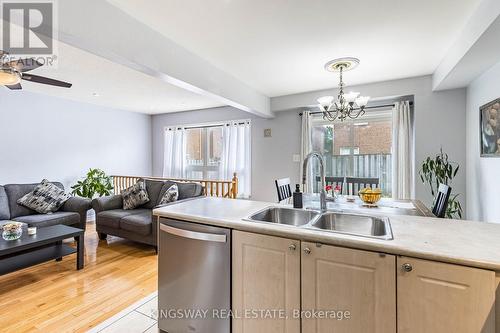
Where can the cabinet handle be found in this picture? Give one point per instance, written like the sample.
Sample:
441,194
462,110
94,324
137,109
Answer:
407,267
307,250
292,247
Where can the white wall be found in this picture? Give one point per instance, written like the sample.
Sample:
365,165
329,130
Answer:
271,157
47,137
483,174
439,122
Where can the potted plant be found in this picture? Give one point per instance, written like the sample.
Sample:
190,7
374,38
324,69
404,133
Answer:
95,184
440,170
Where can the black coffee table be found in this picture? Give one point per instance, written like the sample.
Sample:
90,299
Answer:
46,245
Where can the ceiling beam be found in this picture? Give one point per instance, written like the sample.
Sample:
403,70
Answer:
476,50
102,29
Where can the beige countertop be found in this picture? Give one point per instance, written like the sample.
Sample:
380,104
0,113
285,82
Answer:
475,244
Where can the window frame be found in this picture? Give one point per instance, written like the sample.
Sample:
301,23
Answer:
205,168
369,116
205,152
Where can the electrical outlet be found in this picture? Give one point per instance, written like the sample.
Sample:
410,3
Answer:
267,133
296,158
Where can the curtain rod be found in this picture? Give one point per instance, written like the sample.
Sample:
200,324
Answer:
207,126
366,108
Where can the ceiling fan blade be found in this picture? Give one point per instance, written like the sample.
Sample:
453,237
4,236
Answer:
24,65
45,80
15,87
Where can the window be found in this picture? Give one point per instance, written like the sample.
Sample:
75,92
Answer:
358,148
215,151
203,152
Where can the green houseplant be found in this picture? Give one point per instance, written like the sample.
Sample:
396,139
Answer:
95,184
440,170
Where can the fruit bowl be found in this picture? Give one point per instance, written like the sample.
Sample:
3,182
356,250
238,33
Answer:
370,196
12,231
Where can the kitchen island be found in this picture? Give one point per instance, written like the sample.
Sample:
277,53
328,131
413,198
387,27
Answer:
435,275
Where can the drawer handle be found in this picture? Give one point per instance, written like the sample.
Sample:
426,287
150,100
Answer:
307,250
407,267
292,247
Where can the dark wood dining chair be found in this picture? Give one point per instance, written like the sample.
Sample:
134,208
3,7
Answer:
354,184
283,188
441,202
333,181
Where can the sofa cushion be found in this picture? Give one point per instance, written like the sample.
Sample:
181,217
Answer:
153,187
15,192
138,223
45,198
135,196
170,195
45,220
111,218
4,205
186,190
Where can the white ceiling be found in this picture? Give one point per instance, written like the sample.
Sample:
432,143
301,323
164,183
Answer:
116,86
279,47
271,47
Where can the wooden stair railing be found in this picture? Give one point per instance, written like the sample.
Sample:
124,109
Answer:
213,188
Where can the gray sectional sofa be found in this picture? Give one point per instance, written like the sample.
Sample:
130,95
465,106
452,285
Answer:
137,224
73,212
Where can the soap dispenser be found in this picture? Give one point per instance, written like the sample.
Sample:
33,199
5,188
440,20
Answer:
297,197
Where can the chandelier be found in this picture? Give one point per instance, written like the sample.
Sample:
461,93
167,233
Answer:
349,105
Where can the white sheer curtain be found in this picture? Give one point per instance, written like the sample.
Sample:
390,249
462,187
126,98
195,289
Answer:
174,158
236,155
306,147
402,155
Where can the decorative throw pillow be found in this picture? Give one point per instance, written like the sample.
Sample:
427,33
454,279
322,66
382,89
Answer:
135,195
45,198
171,195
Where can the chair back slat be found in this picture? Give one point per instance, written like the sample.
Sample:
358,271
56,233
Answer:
354,184
441,202
283,188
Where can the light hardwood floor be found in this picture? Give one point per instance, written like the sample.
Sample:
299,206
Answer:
55,297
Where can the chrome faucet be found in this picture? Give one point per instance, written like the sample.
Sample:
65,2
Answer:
322,192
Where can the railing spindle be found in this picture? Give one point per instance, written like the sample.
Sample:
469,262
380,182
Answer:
216,188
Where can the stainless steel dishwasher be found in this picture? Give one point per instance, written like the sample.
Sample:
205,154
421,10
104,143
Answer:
194,277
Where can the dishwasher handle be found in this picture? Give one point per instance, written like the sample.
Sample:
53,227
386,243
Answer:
193,234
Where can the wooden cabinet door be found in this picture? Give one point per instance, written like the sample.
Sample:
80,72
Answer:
340,279
438,297
266,279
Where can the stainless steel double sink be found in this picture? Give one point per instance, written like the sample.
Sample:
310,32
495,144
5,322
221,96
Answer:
331,221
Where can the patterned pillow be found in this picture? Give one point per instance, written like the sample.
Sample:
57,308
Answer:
171,195
45,198
135,195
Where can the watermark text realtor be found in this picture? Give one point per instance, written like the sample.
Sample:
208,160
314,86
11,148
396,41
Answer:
29,29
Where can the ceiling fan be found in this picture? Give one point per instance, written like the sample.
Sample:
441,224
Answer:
12,72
